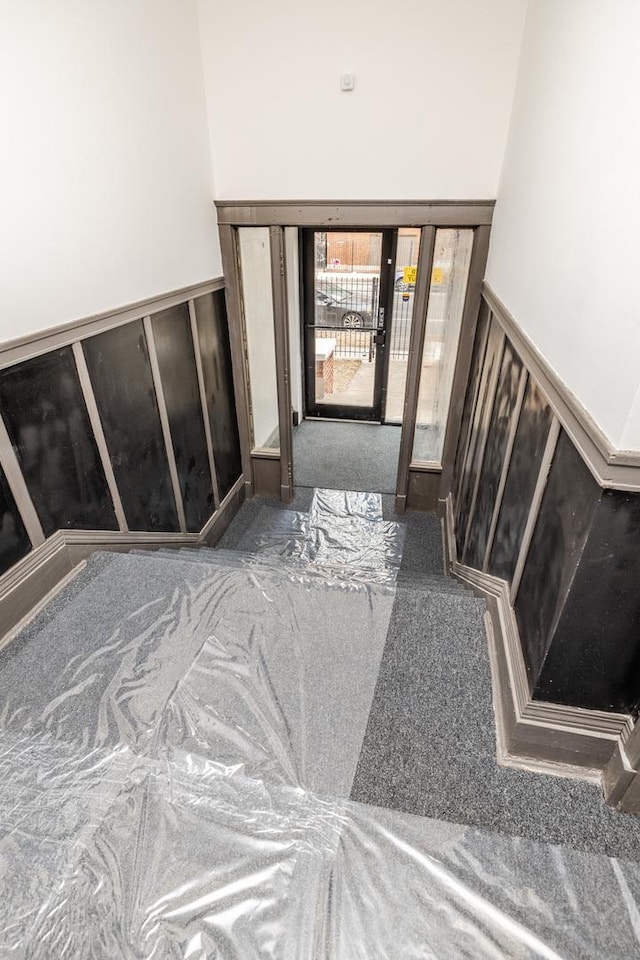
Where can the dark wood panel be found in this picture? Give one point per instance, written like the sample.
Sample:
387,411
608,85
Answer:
475,452
47,421
14,540
493,461
568,505
423,490
475,372
179,377
266,476
594,658
120,372
526,457
215,353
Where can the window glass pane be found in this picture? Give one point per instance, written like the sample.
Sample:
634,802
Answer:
255,267
345,315
452,257
404,285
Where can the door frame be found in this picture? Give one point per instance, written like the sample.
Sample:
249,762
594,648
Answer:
346,215
312,409
422,486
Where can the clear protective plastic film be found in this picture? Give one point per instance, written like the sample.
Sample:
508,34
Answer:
203,862
180,739
343,532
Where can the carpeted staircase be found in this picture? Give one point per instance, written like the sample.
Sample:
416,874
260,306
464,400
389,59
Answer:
221,752
429,747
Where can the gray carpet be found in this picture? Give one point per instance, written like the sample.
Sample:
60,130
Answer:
250,510
155,664
346,456
422,552
429,748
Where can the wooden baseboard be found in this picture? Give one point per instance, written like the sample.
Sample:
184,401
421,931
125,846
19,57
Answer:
532,734
29,584
621,776
33,612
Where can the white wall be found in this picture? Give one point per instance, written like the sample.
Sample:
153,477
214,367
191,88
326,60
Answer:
428,117
565,240
105,176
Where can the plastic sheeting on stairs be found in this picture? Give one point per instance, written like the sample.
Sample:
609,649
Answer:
180,740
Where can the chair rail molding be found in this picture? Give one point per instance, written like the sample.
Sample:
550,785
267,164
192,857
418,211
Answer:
62,335
611,467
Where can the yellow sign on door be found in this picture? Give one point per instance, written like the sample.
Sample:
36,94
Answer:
409,275
436,276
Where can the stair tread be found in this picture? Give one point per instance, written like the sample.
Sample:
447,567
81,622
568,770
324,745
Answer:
235,558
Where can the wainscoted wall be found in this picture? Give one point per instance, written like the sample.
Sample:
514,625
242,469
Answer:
551,529
219,396
14,540
129,428
122,383
175,352
44,412
528,510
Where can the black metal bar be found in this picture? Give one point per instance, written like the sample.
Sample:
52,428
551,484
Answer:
308,295
387,256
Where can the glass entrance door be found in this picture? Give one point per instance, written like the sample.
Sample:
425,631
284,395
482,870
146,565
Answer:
347,284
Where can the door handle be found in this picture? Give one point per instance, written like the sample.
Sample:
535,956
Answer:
379,339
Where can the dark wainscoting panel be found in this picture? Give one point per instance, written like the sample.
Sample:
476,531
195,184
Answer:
47,420
492,464
475,372
528,448
14,540
594,659
479,428
179,377
215,352
577,605
120,372
566,511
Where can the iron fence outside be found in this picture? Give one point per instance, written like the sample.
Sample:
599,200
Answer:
346,301
349,304
401,325
350,344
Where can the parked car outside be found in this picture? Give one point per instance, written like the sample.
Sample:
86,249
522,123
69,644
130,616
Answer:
338,307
